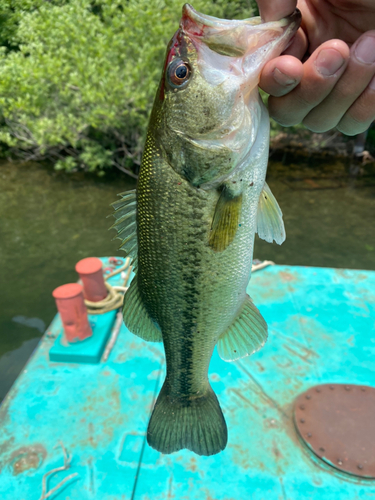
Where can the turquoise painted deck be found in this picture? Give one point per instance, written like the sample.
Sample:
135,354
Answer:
322,329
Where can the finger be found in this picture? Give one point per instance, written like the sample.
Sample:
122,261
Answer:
275,10
358,74
298,46
361,114
281,75
321,72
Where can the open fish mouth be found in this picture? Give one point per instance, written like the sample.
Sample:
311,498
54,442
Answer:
240,38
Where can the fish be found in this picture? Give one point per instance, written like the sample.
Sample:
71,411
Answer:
189,226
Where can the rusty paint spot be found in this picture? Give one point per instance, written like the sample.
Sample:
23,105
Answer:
276,452
305,356
192,465
285,276
91,435
247,401
27,457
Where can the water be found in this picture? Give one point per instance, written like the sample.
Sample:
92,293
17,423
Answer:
49,221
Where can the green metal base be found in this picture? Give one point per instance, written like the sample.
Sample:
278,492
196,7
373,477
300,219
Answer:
89,350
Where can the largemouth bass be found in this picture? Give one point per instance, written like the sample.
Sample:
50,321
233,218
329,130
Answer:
190,225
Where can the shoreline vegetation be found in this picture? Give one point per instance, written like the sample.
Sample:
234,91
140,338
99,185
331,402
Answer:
78,78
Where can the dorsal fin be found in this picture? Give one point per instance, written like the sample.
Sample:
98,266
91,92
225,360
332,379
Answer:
270,225
126,224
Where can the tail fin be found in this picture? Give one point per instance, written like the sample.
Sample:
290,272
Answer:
196,424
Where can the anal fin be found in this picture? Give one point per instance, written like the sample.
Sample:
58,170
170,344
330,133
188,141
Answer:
136,317
225,220
245,335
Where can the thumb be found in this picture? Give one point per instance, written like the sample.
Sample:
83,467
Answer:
275,9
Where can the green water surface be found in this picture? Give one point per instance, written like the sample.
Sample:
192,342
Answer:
49,220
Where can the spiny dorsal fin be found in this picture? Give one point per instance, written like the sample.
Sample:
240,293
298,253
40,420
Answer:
126,224
225,221
246,334
270,225
136,318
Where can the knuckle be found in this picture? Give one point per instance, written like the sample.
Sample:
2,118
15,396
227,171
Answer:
286,112
348,126
317,120
315,127
358,118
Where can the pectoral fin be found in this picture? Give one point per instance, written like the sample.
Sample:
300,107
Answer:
136,318
270,225
225,221
126,224
246,334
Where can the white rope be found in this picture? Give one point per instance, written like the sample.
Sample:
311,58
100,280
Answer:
115,296
66,466
261,265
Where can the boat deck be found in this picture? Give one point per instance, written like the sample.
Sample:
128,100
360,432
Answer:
321,330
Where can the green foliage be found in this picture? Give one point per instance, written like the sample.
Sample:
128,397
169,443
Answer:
77,77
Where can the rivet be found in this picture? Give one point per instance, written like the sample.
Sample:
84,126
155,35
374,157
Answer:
309,434
363,389
347,388
331,387
308,396
339,462
360,466
317,389
302,420
302,407
322,450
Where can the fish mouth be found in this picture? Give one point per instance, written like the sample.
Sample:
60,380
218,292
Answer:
240,38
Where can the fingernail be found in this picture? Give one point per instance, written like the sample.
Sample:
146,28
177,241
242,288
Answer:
283,79
329,61
365,50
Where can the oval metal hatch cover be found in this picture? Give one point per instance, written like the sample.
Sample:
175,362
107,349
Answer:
337,422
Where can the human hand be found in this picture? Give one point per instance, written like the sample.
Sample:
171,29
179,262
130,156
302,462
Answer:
335,85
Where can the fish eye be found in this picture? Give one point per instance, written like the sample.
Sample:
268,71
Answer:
178,73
